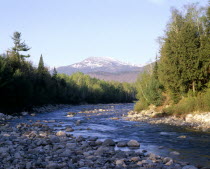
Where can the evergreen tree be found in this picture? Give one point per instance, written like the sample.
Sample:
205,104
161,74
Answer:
168,71
55,73
182,64
155,69
41,65
19,46
205,49
42,70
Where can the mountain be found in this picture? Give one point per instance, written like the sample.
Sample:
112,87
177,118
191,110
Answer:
105,68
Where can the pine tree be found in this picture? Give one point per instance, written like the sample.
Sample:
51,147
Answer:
155,68
189,41
42,70
182,63
169,74
55,73
19,46
205,49
41,64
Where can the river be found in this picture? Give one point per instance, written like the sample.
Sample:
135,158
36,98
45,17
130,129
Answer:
192,146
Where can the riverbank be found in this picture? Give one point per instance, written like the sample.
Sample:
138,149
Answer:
38,145
197,121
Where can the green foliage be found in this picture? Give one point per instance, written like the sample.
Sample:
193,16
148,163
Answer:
141,105
183,71
185,53
19,46
42,70
200,103
92,90
41,64
149,90
55,73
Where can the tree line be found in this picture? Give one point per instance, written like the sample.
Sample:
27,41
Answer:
23,85
180,77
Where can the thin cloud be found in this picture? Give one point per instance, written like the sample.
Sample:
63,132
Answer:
158,2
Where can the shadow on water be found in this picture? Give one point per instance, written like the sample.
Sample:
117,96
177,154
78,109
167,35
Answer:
192,146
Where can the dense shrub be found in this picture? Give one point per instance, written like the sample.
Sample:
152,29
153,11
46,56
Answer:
199,103
141,105
149,91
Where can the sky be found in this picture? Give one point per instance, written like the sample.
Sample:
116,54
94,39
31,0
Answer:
69,31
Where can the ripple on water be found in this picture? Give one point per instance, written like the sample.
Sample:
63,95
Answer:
168,133
101,127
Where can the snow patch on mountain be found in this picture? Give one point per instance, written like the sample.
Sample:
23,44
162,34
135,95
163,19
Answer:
97,62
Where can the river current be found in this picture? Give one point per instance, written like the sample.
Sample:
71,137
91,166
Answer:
107,122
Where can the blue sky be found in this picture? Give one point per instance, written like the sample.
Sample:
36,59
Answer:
68,31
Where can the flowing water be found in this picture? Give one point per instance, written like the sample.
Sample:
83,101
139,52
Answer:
193,146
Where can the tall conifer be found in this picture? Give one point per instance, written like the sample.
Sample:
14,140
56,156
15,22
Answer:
41,64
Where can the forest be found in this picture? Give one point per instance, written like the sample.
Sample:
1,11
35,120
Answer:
23,86
179,82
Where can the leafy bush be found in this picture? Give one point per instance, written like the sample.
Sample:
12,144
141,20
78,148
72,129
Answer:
203,101
200,103
141,105
149,91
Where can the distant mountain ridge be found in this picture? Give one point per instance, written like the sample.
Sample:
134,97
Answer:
105,68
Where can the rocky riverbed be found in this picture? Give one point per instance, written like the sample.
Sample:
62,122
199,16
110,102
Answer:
197,121
38,145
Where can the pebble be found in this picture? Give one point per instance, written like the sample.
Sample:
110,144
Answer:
61,134
69,129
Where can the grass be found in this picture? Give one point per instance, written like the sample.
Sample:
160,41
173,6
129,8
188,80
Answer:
200,103
141,105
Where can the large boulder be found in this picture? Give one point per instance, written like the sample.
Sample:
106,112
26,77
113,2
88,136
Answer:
108,142
122,144
133,143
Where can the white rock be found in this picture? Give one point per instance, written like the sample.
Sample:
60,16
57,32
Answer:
120,162
61,134
133,143
169,162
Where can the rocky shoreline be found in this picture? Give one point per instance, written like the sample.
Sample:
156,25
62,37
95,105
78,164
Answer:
197,121
36,145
